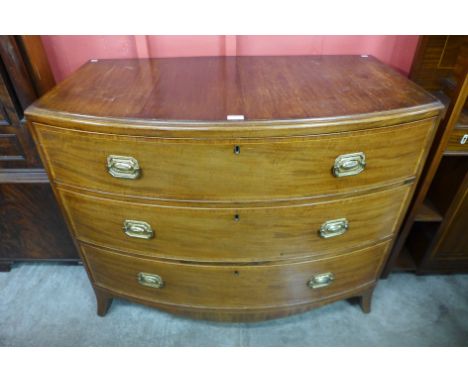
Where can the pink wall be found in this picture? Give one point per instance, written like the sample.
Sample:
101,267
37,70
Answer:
68,53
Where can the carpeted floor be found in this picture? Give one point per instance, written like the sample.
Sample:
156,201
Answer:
54,305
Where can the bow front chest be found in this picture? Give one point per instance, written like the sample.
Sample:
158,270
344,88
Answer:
241,188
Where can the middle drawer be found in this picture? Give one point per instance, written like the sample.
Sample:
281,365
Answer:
235,234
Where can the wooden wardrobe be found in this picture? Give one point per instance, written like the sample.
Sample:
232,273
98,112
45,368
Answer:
31,226
434,236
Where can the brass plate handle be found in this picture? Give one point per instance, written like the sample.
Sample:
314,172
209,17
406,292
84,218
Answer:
333,228
349,164
123,167
150,280
138,229
321,280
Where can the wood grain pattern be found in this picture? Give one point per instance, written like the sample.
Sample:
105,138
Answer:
14,79
36,63
436,59
240,234
234,287
15,66
210,88
235,205
7,103
10,149
209,170
452,82
11,152
31,225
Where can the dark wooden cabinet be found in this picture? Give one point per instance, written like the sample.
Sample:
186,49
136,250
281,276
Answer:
31,226
433,237
16,93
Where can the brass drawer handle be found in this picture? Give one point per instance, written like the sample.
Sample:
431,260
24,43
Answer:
150,280
333,228
138,229
123,167
349,164
321,280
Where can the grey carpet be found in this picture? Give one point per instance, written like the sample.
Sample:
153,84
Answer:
54,305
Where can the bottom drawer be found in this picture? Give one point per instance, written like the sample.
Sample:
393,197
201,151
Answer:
233,286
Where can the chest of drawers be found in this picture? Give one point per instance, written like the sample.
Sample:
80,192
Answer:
239,188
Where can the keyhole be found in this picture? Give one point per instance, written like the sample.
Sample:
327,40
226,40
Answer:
236,217
237,149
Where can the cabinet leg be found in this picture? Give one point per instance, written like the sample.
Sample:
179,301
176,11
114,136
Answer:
365,300
104,301
5,266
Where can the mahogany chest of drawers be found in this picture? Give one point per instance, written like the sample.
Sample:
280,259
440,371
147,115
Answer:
239,188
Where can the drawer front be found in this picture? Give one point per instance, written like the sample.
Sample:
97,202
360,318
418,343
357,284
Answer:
236,235
242,286
458,141
241,170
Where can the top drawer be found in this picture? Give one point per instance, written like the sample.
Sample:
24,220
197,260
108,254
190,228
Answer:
234,170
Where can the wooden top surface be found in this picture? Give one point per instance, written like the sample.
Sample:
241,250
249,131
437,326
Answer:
211,88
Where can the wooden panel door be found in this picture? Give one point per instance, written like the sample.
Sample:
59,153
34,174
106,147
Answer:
17,149
31,227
